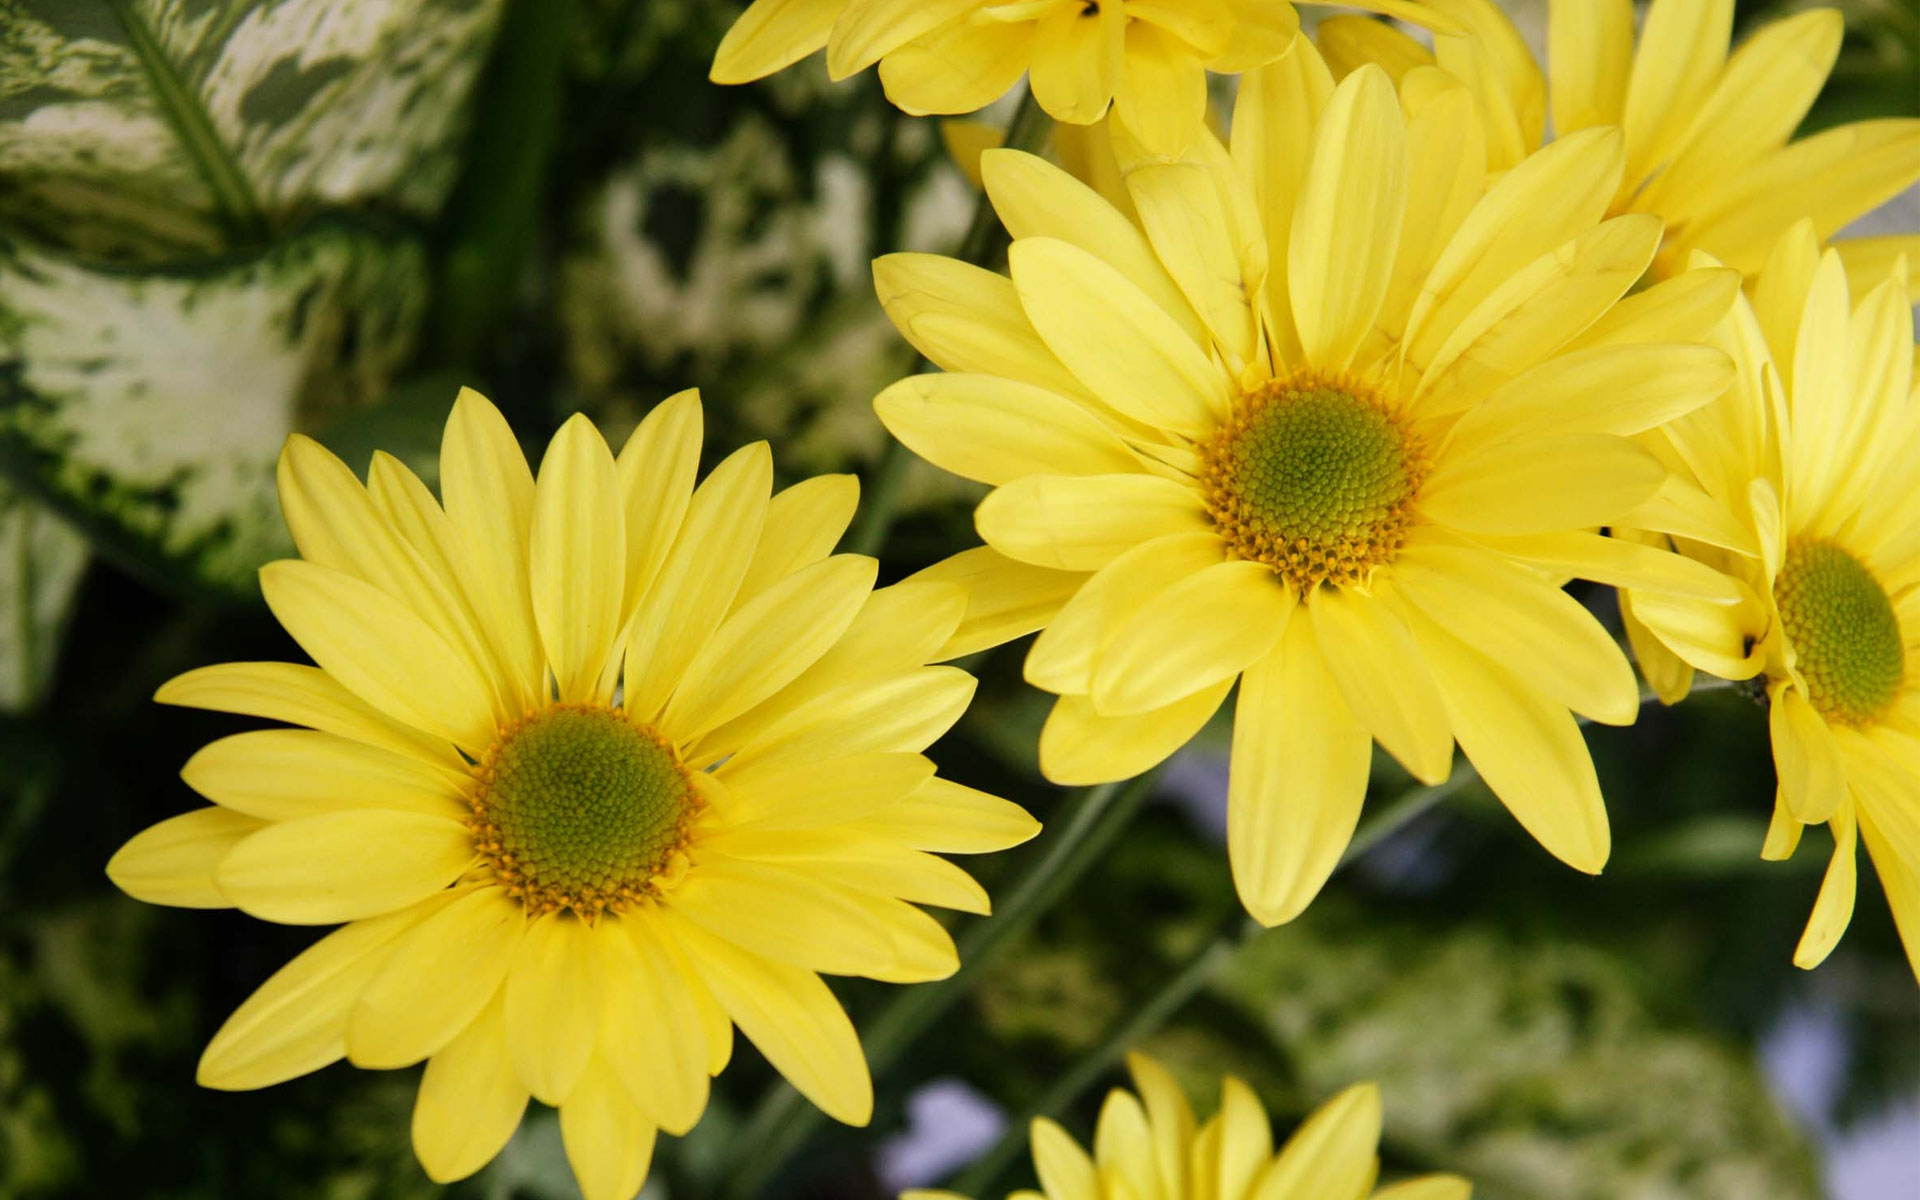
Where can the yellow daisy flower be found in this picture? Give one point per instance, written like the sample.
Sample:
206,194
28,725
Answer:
1812,455
1147,1147
1147,58
1336,421
1709,134
592,768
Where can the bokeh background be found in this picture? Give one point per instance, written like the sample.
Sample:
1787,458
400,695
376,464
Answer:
224,220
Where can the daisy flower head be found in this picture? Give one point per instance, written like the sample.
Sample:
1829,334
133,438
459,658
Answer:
592,767
1709,128
1148,1146
1147,59
1334,420
1810,457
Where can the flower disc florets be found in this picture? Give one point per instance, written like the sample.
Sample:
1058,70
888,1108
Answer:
578,807
1841,624
1315,476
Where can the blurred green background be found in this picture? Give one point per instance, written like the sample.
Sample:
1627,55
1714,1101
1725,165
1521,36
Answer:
223,220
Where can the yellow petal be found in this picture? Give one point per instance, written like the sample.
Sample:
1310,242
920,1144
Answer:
786,915
1299,772
1618,563
1079,746
1123,1144
1065,1170
470,1101
1670,677
772,34
966,319
1684,308
899,713
1202,629
551,1005
697,583
280,774
1200,215
997,430
1590,53
1347,224
1757,102
380,651
1274,118
1172,1120
1833,909
296,1021
1899,871
301,695
1246,1139
793,793
1870,261
1116,340
342,866
577,551
951,818
868,29
609,1140
957,67
1607,389
438,979
1349,42
1004,599
804,523
863,863
1813,775
1428,1187
650,1029
1076,60
173,862
1526,748
1332,1153
489,504
1541,484
1683,48
791,1016
1064,655
767,642
1162,97
1828,179
1083,523
1510,616
1719,639
1036,199
1540,308
1378,666
1540,205
656,469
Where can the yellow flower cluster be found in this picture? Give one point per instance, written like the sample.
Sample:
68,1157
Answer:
596,764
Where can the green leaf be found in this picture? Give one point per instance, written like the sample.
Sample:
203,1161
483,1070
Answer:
149,406
41,560
151,128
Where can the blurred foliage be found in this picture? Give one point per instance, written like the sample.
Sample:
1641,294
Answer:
222,220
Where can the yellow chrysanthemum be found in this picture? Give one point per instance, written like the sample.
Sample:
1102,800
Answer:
1709,135
1147,1147
593,768
1812,455
1334,420
1147,58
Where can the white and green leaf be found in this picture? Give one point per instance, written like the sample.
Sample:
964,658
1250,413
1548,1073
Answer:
150,405
150,128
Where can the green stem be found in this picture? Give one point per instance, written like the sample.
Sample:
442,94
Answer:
1187,979
1028,131
1074,841
233,196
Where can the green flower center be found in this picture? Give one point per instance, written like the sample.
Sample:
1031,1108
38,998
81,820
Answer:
1315,476
580,808
1845,637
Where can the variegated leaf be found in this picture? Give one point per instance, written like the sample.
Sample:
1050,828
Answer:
148,128
151,404
41,559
